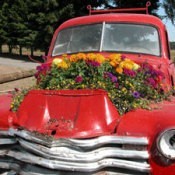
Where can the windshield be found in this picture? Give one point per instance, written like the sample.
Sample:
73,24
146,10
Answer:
109,37
78,39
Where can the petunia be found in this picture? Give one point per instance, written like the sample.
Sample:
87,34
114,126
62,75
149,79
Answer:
78,79
129,72
136,94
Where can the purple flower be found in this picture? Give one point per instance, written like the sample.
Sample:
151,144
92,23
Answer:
130,73
152,82
78,79
136,94
111,76
114,79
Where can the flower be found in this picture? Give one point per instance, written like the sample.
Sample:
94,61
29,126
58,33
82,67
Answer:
93,63
129,72
79,79
129,85
119,70
111,76
57,61
136,94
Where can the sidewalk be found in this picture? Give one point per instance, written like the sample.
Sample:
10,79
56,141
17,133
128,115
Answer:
13,69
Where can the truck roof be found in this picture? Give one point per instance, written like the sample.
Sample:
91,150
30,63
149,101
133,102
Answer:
113,17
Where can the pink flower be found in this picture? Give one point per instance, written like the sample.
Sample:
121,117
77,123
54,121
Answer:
79,79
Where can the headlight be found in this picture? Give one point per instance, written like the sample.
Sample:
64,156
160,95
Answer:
166,144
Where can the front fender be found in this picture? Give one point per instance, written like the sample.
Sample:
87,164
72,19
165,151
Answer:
5,117
150,124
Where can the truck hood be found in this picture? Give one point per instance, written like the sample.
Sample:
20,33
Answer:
88,113
68,113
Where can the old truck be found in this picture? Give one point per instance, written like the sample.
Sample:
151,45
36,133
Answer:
80,131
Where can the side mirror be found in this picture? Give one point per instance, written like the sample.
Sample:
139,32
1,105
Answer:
44,58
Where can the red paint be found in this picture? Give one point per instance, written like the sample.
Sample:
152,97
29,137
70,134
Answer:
87,113
68,113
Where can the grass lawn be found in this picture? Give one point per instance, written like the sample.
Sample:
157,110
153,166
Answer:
173,54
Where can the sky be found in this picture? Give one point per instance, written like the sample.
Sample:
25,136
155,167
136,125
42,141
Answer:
170,29
169,26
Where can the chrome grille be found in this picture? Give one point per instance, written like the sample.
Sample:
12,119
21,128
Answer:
25,152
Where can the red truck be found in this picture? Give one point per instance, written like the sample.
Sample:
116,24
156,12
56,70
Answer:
61,130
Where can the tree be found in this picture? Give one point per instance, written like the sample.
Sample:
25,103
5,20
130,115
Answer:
169,6
134,4
13,22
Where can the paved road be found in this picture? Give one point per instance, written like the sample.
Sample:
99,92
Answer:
16,74
18,63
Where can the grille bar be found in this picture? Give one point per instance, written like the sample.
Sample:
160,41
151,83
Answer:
75,155
69,154
86,143
73,166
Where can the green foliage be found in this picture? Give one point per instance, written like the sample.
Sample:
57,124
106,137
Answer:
169,6
32,23
128,84
155,4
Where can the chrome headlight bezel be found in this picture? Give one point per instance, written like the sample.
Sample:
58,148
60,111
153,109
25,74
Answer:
164,144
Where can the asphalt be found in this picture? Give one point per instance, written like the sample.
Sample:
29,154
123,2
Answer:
13,69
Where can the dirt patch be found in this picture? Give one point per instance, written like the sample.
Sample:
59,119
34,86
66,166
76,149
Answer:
21,84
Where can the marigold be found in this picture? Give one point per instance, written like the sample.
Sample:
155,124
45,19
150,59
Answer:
113,63
81,56
128,64
73,58
119,70
115,57
63,65
57,61
91,56
100,58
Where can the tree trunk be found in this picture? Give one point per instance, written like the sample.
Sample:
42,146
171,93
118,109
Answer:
20,50
0,48
32,50
10,49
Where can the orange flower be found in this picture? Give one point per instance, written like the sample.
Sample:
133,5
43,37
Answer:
81,56
119,70
91,56
100,58
73,58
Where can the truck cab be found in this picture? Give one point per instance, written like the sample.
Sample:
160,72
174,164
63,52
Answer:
80,131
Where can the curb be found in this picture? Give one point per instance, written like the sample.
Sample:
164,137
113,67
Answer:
17,75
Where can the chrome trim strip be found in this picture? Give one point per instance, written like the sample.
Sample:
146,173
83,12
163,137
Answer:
69,154
85,143
4,133
7,141
72,166
102,36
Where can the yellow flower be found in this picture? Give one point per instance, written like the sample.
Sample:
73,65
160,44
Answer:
99,58
136,66
63,65
57,61
127,63
115,57
91,56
